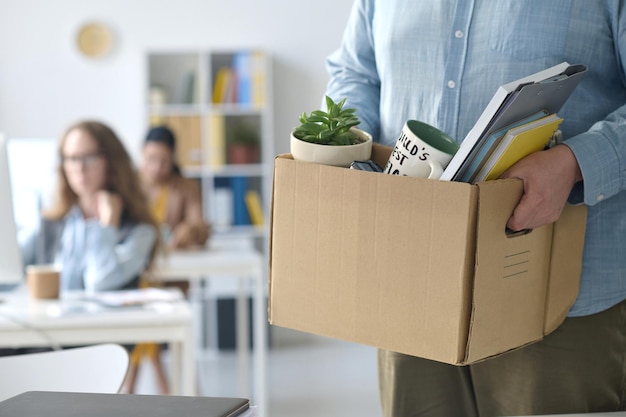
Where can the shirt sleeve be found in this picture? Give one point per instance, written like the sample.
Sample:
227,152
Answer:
601,155
109,264
601,151
352,69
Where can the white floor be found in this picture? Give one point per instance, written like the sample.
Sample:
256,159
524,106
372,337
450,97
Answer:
308,376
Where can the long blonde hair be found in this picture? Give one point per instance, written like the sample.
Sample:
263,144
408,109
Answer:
121,178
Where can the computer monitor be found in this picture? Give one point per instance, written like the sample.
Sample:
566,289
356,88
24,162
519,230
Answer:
33,164
11,268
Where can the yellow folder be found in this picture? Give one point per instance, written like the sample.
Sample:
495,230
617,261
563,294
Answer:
518,143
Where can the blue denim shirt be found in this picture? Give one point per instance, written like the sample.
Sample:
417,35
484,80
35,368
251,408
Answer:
440,61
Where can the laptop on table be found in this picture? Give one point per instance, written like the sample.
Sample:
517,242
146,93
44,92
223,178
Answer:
71,404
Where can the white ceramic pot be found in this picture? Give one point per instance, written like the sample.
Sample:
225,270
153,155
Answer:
340,156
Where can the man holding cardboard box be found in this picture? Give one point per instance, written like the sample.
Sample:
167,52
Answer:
440,62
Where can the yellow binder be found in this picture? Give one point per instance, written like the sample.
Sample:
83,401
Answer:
518,143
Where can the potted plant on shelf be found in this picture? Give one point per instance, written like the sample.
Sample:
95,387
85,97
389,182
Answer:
330,137
242,144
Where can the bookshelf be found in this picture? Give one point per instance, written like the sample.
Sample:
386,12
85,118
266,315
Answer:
219,106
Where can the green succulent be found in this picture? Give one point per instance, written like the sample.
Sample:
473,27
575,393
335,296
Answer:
331,127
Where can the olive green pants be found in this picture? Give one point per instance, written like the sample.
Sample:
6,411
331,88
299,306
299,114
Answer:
578,368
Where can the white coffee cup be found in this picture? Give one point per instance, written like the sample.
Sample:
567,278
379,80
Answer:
421,151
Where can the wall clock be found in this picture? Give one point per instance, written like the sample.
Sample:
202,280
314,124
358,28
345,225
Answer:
94,39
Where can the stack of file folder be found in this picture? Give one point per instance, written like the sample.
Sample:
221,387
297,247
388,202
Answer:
521,118
509,146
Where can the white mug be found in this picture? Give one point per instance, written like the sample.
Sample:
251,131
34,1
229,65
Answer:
421,151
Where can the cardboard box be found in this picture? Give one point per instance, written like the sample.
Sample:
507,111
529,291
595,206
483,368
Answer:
417,266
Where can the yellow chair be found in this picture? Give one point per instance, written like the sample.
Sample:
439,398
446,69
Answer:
150,351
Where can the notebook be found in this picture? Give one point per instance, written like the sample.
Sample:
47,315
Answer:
70,404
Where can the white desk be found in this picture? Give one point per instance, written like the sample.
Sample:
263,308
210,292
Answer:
75,321
199,266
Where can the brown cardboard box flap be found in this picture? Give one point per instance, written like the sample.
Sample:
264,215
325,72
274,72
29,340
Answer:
565,264
510,275
509,294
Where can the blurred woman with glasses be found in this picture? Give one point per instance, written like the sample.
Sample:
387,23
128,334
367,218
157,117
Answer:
99,229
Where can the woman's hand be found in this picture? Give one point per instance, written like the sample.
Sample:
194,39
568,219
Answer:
110,208
183,236
187,234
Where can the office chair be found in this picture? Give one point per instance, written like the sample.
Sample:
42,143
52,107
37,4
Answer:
96,369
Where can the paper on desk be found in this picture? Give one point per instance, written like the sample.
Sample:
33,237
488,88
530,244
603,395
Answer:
135,297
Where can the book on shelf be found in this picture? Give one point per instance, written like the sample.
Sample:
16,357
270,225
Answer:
239,187
241,67
188,142
243,82
236,203
259,78
217,140
253,204
518,143
223,85
222,207
185,92
232,88
545,90
219,85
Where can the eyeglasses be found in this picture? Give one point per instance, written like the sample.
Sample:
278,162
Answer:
86,160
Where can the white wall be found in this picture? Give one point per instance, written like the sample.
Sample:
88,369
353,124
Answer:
45,84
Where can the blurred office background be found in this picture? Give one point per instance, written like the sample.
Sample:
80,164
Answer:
46,84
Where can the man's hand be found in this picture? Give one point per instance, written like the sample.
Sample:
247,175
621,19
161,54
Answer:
548,178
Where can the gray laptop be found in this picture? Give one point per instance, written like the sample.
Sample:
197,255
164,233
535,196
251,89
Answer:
70,404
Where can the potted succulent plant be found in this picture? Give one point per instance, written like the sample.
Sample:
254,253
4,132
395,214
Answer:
330,137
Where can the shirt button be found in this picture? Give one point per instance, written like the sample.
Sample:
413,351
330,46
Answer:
458,34
451,84
600,197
